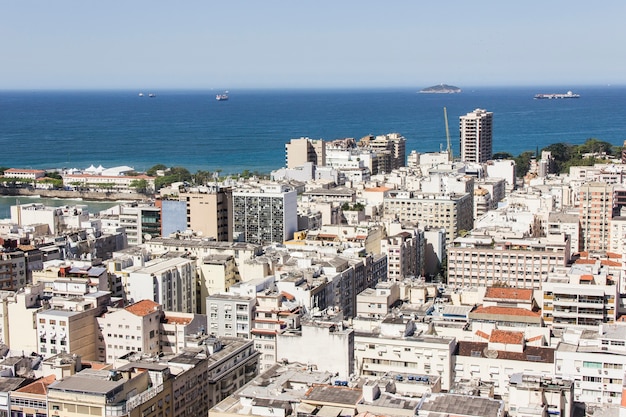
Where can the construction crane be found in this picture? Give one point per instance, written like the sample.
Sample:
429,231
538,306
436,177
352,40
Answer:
445,117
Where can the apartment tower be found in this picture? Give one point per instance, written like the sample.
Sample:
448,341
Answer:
265,214
300,151
476,136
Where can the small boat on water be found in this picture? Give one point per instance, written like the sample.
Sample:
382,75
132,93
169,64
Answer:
140,94
151,95
221,97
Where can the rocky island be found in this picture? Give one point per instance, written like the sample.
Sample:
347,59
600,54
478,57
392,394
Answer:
441,89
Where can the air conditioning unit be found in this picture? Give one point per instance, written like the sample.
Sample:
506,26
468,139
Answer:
610,399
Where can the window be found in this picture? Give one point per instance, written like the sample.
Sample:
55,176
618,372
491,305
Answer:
594,365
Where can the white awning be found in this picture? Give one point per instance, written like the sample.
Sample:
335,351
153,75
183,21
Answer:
458,367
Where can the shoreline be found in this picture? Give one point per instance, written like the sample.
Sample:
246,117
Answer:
82,195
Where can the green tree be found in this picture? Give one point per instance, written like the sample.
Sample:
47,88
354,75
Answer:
153,170
54,175
502,155
522,163
140,185
593,145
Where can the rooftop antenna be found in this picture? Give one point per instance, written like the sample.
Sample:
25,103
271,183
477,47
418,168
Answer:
445,117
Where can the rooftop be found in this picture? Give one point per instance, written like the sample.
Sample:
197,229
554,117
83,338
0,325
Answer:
330,394
530,353
143,307
449,404
507,337
506,293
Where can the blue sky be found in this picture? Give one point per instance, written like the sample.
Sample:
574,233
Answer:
228,44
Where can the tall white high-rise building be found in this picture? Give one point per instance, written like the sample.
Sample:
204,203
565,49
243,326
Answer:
476,136
265,214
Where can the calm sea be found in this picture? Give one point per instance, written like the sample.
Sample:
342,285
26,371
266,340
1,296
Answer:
249,131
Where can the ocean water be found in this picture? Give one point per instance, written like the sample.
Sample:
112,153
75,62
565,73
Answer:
53,129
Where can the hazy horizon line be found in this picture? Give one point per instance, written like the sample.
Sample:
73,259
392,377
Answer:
304,88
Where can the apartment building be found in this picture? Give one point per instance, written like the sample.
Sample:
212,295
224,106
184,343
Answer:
216,274
18,317
131,392
300,151
322,341
476,131
209,211
190,383
134,328
13,270
395,348
584,295
569,224
200,248
454,212
265,214
275,312
58,219
405,254
139,222
390,149
69,325
482,260
500,354
596,361
31,400
537,394
376,302
169,282
230,315
233,362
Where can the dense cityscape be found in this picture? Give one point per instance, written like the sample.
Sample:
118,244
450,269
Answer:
361,278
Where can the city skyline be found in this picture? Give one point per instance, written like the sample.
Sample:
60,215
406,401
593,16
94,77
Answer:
155,45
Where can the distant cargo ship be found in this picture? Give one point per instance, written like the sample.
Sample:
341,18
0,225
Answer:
222,97
441,89
569,94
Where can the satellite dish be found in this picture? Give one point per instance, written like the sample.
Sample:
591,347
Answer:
147,236
491,354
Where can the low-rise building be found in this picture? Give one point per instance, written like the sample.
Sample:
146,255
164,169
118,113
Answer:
323,342
501,354
595,361
395,348
538,395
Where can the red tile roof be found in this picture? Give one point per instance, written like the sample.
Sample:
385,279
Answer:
39,387
530,354
143,307
177,320
482,334
287,295
507,337
586,277
506,311
535,338
377,189
506,293
607,262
